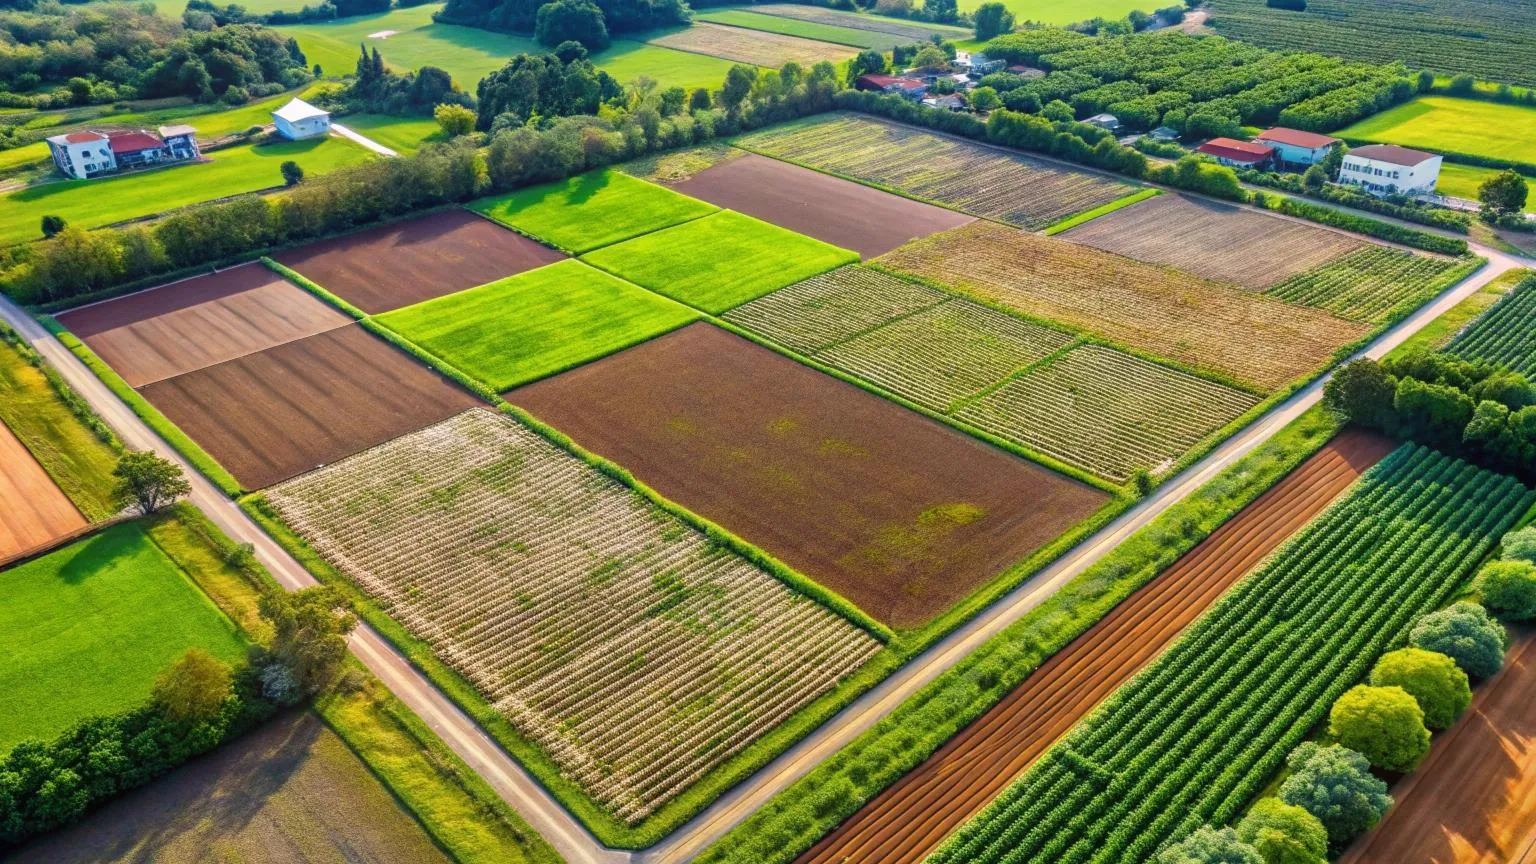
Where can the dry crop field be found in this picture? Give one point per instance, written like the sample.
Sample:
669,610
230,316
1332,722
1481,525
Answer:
1247,337
757,47
33,509
1218,241
1372,283
634,651
822,15
973,178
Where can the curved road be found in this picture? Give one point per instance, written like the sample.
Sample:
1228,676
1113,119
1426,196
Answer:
541,810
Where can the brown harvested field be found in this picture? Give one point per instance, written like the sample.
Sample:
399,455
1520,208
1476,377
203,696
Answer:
846,214
33,510
289,791
1244,336
909,819
198,322
406,262
1218,241
1473,801
898,513
756,47
269,416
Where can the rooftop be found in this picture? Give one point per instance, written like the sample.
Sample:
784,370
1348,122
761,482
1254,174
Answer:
179,129
1393,154
298,109
77,137
132,142
1296,138
891,80
1237,151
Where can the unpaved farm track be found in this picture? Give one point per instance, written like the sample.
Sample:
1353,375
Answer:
33,510
908,820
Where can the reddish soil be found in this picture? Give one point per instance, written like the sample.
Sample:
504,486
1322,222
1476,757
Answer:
198,322
407,262
906,822
901,515
278,413
1473,801
33,510
841,212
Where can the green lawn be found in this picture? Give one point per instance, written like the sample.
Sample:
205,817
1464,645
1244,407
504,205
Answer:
86,629
234,170
1462,181
592,210
805,29
404,135
534,324
1448,124
719,261
628,59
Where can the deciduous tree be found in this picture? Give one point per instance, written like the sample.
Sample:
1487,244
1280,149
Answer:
1431,678
194,687
147,481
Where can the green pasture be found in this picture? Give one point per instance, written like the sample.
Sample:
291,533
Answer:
1461,181
1448,124
404,135
103,201
592,210
86,629
719,261
537,323
804,29
1057,12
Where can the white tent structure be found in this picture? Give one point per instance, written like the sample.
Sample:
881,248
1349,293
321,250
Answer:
299,119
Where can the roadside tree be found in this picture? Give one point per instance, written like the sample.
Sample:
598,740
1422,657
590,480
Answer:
147,482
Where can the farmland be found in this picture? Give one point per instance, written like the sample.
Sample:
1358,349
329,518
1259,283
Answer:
897,513
1107,411
755,47
824,310
836,34
905,822
525,327
1506,334
1463,181
909,31
719,261
85,630
1213,240
1447,124
969,177
401,263
33,509
1048,12
1205,726
635,652
1372,283
1251,338
592,210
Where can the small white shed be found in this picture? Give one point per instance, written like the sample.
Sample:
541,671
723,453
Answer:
299,119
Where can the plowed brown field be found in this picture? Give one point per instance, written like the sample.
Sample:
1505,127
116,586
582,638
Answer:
33,510
906,822
402,263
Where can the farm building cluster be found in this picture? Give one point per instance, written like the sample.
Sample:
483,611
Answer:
928,85
86,154
1385,169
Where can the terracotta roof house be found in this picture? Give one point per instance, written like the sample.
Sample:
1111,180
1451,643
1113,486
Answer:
1296,147
1388,168
1238,154
91,153
911,88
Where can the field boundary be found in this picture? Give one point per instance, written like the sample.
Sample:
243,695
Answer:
1101,210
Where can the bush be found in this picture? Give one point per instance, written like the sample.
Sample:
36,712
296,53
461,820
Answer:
1210,846
1384,724
1431,678
1283,833
1336,786
1521,545
1509,589
1465,633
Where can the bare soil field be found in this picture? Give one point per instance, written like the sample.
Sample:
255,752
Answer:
1243,336
907,821
406,262
756,47
1218,241
289,791
195,323
33,510
900,514
1473,801
841,212
268,416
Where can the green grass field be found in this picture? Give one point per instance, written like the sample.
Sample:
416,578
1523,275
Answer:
1057,12
103,201
1462,181
592,210
534,324
1448,124
719,261
804,29
404,135
85,630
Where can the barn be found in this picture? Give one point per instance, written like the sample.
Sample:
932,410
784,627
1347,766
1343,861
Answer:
299,119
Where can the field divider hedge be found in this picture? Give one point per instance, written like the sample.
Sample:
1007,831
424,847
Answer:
1102,210
309,285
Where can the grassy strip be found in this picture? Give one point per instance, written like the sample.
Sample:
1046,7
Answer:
1102,209
800,815
309,285
1437,333
151,415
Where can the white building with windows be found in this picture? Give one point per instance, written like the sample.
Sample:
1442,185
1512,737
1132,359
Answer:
90,153
299,119
1388,168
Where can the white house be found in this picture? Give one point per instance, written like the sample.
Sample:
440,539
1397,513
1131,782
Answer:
90,154
1389,168
1295,147
82,154
299,119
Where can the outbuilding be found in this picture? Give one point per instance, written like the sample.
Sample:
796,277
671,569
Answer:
1104,121
299,119
1295,147
910,88
1388,168
1238,154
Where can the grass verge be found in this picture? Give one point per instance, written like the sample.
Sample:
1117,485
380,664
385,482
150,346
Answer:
1439,332
1102,209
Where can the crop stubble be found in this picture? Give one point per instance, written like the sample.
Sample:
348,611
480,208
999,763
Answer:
757,47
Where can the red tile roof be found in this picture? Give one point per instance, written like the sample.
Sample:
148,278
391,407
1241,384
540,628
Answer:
1392,154
884,81
132,142
82,137
1237,151
1296,138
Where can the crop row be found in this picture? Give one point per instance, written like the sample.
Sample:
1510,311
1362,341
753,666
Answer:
636,653
1373,283
821,311
1194,736
1505,335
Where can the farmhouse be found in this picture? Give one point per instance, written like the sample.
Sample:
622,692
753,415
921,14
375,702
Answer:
1238,154
299,119
1104,121
90,154
910,88
951,102
1387,168
1295,147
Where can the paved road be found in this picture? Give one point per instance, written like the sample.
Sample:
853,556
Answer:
363,140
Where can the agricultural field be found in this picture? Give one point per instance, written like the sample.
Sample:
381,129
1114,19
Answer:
910,31
1506,334
719,261
905,822
675,166
973,178
85,629
276,413
1447,124
152,335
899,514
1373,282
634,651
402,263
1463,181
834,307
525,327
404,135
1217,241
592,210
755,47
1057,13
1204,727
33,509
1247,337
841,212
1107,411
833,33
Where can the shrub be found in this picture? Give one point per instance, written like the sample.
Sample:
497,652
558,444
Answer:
1283,833
292,172
1431,678
1335,785
1509,589
1465,633
1383,723
1210,846
194,687
1521,545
